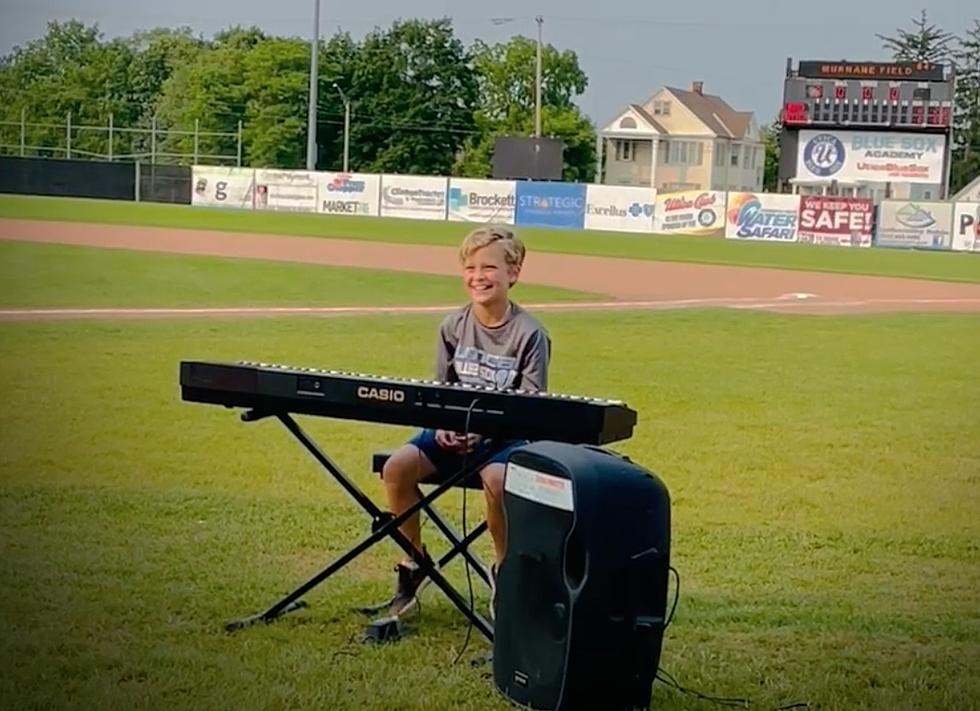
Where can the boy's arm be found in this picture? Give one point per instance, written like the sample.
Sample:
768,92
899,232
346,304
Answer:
534,364
445,349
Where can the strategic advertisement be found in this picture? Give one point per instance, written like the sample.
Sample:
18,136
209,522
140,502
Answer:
216,186
966,227
545,204
762,216
850,156
285,190
620,208
473,200
907,223
840,221
349,193
698,212
418,197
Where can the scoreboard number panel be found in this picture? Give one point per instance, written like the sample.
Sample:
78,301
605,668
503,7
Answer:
876,95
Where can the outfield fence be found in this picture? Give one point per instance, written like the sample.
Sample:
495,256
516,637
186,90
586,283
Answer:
737,215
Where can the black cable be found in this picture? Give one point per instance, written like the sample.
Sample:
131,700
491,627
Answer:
466,562
677,596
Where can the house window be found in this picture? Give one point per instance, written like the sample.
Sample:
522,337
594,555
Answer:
719,155
686,153
661,108
628,122
626,151
735,151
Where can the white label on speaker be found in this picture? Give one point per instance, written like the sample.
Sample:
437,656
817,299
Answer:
540,487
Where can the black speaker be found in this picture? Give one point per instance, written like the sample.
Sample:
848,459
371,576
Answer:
582,590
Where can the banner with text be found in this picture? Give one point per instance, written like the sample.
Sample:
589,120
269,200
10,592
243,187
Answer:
966,227
619,208
841,221
890,157
216,186
349,193
762,216
905,223
285,190
418,197
694,212
551,204
473,200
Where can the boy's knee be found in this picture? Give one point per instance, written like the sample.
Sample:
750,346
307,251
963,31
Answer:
493,480
401,469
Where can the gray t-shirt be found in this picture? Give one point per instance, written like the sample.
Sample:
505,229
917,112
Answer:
513,355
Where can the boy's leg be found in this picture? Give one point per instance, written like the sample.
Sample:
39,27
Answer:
401,475
493,491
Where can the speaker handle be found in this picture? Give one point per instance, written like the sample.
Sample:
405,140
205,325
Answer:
648,625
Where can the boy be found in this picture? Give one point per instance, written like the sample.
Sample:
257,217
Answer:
491,341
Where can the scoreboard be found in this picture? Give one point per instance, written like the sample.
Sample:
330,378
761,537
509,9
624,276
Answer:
870,124
912,96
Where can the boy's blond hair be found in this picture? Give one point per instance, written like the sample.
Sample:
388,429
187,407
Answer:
514,250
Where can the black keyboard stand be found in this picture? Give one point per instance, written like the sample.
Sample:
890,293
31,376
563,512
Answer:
383,524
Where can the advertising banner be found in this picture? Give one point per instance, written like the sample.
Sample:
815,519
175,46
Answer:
762,216
417,197
695,212
473,200
349,193
850,156
966,227
619,208
285,190
551,204
905,223
216,186
841,221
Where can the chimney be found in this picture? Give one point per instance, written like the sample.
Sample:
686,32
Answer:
697,87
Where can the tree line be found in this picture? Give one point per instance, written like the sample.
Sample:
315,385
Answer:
421,101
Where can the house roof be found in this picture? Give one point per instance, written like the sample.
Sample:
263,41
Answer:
645,115
715,113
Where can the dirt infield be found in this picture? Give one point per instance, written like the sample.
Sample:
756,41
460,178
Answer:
637,284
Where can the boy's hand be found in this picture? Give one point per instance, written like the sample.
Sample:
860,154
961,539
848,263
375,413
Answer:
457,442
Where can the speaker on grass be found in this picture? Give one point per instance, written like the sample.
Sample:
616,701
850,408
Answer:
582,590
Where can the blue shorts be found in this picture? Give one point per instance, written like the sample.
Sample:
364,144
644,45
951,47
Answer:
448,462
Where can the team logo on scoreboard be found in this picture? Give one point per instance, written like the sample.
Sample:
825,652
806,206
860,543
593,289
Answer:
824,155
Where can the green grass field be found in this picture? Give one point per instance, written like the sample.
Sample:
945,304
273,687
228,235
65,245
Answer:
42,275
925,265
823,473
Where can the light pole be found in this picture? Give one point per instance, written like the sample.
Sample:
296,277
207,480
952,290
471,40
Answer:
537,87
346,101
311,116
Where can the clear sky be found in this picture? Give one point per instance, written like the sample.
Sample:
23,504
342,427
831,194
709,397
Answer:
628,48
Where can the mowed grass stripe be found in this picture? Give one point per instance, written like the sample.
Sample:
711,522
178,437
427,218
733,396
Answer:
44,275
823,473
884,262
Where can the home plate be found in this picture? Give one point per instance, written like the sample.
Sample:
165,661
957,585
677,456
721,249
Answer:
796,295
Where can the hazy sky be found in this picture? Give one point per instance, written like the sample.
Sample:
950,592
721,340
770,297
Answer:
628,48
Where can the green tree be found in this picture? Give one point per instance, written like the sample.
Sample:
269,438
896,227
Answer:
416,92
507,83
966,135
925,42
770,139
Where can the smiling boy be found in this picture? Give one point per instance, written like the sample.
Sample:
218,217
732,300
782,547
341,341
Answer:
489,342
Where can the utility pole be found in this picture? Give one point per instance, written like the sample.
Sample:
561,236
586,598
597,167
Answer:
537,92
311,117
346,101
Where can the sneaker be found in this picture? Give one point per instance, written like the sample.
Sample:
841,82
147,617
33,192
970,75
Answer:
493,592
410,577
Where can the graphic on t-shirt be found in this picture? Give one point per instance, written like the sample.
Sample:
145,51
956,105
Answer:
479,367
